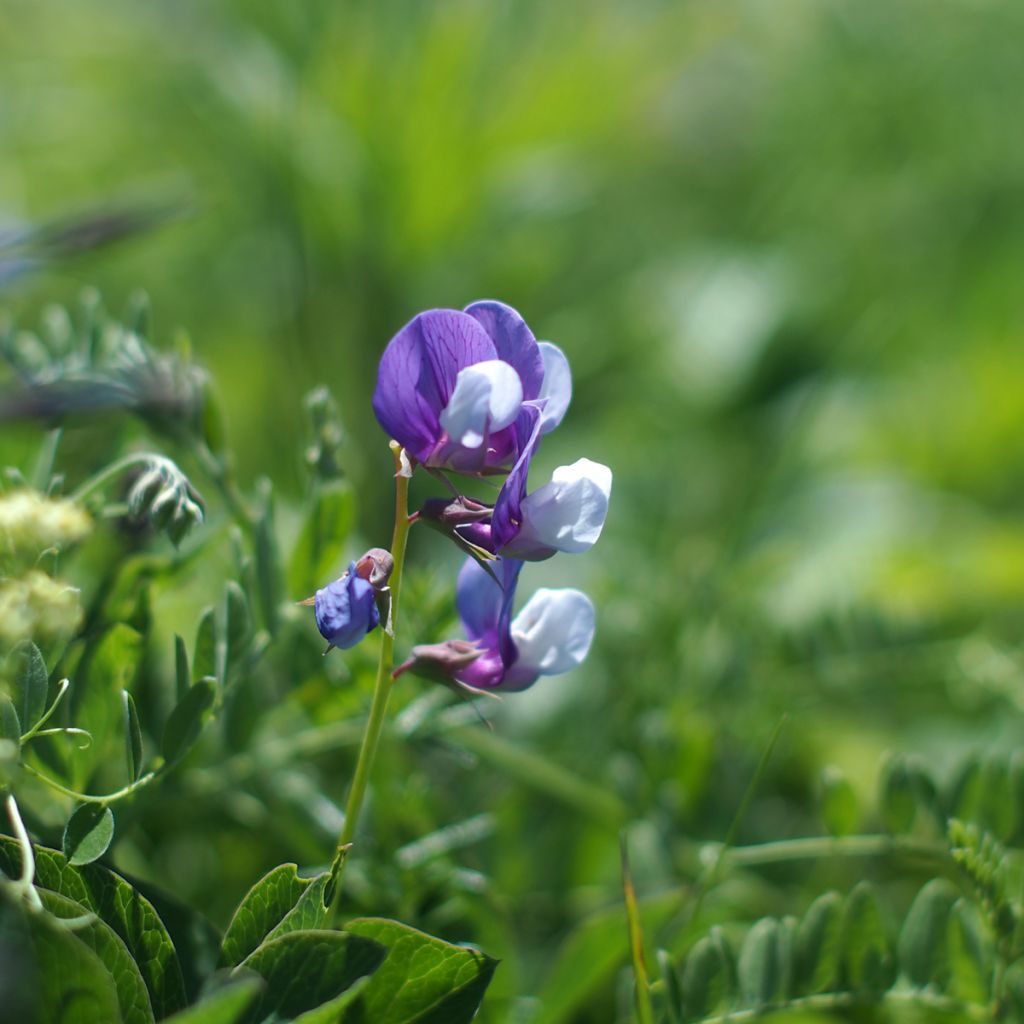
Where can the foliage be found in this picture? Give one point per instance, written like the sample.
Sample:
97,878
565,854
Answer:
781,245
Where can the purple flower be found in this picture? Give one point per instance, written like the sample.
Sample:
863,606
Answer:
551,635
567,514
470,391
346,610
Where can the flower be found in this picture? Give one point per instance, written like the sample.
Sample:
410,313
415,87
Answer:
567,514
346,610
472,390
551,635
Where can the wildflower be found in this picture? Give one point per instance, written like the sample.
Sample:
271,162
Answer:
551,635
346,610
470,390
567,514
36,607
31,523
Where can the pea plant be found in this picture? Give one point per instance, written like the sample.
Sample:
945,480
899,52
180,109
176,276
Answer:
126,483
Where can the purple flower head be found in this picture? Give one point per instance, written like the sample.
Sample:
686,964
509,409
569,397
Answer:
346,610
470,390
567,514
551,635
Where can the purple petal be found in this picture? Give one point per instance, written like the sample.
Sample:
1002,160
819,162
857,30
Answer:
346,610
478,600
508,508
418,371
514,342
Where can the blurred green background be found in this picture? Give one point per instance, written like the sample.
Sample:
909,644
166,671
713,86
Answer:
781,244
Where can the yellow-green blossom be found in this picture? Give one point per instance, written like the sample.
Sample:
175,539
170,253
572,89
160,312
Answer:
36,607
31,523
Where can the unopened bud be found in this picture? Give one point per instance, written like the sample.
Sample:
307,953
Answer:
375,567
440,661
448,513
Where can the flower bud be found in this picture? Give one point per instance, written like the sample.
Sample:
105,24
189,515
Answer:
375,567
440,661
346,610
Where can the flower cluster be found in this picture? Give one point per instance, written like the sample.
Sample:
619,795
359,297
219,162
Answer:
472,392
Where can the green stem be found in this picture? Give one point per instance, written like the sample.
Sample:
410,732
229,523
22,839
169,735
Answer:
110,472
90,798
814,847
382,687
840,1000
642,986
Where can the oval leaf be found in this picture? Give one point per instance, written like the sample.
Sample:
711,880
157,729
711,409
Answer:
708,976
125,909
839,807
970,954
423,979
88,833
304,969
923,946
29,685
759,968
132,737
819,945
182,680
262,911
204,657
186,720
867,959
132,995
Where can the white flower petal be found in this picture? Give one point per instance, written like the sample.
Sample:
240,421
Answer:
556,388
553,632
566,514
487,397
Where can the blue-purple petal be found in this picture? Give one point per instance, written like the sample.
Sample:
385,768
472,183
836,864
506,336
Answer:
508,514
346,610
418,371
513,340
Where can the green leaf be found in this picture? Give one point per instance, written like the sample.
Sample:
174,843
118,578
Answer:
839,807
708,976
970,954
182,680
319,549
263,910
332,1011
237,625
819,945
268,563
906,788
304,969
422,979
88,833
867,959
50,974
123,908
671,1002
10,727
923,945
228,1005
132,737
108,668
204,657
759,968
30,678
132,994
186,720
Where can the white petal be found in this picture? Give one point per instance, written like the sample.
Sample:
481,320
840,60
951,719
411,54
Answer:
553,632
556,388
568,513
487,397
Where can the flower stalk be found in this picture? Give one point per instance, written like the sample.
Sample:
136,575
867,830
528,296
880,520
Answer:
382,686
